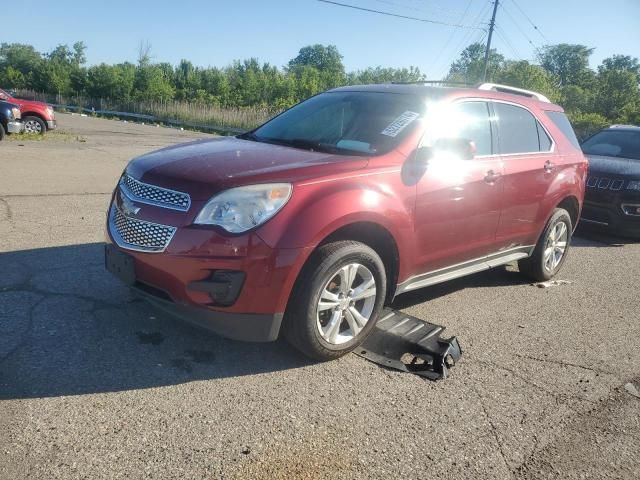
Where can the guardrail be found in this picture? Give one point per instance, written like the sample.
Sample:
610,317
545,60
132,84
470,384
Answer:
152,118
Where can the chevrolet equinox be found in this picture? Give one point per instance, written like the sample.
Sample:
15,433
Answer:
311,223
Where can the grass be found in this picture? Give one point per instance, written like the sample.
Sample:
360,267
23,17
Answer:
50,136
200,116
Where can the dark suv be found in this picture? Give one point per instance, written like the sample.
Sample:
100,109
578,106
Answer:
612,200
311,223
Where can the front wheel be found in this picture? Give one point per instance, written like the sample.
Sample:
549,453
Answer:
1,132
552,248
34,125
336,300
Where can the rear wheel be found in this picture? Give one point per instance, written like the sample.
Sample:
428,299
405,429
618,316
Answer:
34,125
552,248
336,301
1,132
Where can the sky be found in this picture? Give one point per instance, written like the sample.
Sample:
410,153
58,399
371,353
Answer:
216,32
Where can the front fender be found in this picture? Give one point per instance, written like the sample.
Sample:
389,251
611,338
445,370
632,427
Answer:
319,208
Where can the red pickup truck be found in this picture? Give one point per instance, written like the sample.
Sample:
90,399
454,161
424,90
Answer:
38,117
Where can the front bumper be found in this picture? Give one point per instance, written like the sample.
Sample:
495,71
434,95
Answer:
614,211
236,286
15,127
52,124
249,327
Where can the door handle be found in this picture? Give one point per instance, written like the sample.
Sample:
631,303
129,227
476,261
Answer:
549,166
491,176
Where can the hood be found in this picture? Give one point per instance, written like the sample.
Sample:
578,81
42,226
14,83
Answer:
204,167
614,165
33,103
6,104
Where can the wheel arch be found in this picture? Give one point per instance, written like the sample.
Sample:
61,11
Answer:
31,113
380,240
572,205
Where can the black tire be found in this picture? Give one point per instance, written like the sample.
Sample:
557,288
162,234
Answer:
301,321
2,133
534,266
34,124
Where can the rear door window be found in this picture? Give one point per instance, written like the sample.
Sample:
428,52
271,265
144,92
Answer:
517,128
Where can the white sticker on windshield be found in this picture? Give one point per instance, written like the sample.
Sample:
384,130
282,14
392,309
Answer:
400,123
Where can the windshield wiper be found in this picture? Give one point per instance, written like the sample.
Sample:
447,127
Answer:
249,136
302,143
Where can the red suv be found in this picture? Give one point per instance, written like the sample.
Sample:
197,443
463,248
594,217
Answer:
311,223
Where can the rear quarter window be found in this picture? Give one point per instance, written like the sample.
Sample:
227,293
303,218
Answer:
562,122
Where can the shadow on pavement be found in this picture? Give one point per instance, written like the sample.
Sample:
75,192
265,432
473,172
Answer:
586,236
68,328
497,277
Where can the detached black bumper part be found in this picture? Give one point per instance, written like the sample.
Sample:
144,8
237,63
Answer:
408,344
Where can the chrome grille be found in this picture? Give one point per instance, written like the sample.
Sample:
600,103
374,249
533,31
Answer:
138,234
605,183
151,194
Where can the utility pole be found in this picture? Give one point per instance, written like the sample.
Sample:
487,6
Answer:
492,25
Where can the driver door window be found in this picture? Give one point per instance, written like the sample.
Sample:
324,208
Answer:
473,124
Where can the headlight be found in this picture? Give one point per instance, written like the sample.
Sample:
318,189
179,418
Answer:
635,185
243,208
50,112
16,113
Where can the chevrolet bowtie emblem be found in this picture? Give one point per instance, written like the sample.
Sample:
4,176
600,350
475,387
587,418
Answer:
127,206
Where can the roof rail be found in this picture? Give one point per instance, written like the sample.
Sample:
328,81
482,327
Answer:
434,82
517,91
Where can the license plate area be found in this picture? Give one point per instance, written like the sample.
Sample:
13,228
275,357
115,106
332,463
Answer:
120,264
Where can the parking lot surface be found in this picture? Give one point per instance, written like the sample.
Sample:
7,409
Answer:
96,384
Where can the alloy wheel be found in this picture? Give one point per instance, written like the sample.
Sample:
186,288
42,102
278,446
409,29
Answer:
32,126
556,246
346,303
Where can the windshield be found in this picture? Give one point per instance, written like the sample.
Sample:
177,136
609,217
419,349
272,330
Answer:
347,123
614,143
4,95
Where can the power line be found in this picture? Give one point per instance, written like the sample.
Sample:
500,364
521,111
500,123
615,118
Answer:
535,27
518,26
506,41
453,33
464,41
424,20
446,11
468,35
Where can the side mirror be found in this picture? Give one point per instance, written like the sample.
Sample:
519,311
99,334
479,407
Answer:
422,155
461,148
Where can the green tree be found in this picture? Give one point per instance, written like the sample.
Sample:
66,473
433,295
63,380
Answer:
12,78
21,57
385,75
576,99
523,74
151,83
568,63
617,94
327,60
624,63
469,68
